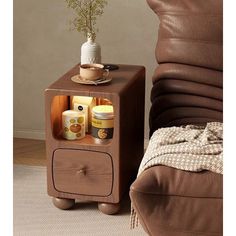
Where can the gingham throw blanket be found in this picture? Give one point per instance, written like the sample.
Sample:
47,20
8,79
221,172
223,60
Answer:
190,148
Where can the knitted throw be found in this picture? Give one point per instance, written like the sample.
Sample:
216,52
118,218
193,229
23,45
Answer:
190,148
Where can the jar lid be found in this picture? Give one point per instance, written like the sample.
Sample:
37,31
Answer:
71,113
103,111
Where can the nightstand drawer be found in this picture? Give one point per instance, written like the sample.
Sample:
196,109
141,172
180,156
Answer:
82,172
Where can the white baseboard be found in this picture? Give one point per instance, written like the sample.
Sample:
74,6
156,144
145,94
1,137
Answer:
146,141
29,134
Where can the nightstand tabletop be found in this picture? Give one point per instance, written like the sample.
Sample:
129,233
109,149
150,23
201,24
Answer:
121,79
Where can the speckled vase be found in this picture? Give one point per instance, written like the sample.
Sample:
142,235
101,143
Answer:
90,52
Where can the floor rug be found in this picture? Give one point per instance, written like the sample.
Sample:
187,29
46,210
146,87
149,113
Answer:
34,214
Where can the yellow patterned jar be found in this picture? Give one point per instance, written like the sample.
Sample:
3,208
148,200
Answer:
102,122
73,124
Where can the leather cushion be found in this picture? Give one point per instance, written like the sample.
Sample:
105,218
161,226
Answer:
168,86
167,101
172,202
163,180
163,215
167,117
190,32
189,73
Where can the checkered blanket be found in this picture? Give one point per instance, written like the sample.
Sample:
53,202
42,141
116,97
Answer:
190,148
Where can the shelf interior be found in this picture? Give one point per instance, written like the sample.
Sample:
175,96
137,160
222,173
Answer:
61,103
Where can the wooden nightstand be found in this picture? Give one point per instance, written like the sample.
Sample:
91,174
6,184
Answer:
82,169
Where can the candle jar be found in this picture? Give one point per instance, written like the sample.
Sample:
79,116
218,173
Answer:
73,124
102,123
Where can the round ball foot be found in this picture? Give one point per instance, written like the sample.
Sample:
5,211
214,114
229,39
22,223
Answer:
109,208
63,203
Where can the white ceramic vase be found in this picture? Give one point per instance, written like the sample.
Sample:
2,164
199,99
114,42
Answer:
90,52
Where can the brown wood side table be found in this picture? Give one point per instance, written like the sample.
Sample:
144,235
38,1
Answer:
83,169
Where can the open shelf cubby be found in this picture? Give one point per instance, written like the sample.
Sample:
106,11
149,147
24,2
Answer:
61,103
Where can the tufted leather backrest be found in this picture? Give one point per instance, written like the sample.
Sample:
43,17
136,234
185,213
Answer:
190,32
187,84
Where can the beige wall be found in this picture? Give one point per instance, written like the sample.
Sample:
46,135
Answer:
44,49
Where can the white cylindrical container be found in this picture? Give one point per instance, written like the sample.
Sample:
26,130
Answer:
73,125
90,52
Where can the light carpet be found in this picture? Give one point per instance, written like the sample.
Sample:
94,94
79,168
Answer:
34,213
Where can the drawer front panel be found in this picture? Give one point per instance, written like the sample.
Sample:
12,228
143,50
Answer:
82,172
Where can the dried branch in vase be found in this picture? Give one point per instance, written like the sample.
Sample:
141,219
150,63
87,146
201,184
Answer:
87,12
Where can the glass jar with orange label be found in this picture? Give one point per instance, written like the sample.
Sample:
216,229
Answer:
102,123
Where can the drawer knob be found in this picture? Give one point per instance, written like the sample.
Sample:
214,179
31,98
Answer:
82,171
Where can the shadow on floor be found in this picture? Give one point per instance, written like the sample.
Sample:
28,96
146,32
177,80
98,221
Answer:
89,205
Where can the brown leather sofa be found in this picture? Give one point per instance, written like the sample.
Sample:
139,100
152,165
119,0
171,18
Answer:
187,89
